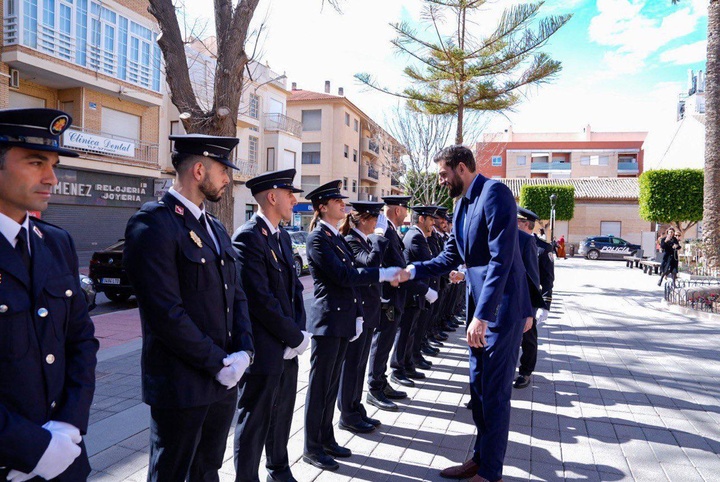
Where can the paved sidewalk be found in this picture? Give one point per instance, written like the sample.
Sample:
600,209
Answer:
624,390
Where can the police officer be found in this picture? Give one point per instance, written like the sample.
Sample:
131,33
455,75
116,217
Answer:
545,278
368,250
335,319
277,313
197,340
380,393
47,344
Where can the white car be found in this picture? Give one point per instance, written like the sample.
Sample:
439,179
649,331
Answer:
299,238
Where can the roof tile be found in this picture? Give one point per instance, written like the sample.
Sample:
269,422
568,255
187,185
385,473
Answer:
625,188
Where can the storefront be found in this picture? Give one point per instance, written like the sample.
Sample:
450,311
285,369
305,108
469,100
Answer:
302,215
94,207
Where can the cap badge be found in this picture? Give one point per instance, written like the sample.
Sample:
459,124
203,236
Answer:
58,124
180,210
37,231
196,239
264,232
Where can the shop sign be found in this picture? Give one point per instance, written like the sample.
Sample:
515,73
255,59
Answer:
95,143
101,189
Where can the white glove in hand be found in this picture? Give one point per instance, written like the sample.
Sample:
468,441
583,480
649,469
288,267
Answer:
17,476
240,360
382,224
64,427
431,296
61,452
289,353
388,274
300,349
358,328
541,315
228,376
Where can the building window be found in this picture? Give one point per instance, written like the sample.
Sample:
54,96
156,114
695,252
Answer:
354,186
496,161
585,160
603,160
347,119
382,192
345,183
290,159
357,125
311,120
120,123
249,211
254,107
521,160
595,160
355,155
311,153
309,183
271,159
253,143
346,151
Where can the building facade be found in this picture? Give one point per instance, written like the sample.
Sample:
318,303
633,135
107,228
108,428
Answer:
561,155
339,141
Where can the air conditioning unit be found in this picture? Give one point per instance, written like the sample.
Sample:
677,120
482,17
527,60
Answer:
15,78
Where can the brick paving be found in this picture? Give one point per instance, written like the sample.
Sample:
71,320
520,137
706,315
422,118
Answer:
624,390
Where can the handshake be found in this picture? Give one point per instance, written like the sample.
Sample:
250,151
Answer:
394,275
62,451
235,366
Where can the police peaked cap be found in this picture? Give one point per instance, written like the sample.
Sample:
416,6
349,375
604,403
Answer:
372,208
397,200
215,147
425,210
273,180
526,214
36,129
330,190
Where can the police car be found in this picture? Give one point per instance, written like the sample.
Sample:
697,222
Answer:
606,247
299,238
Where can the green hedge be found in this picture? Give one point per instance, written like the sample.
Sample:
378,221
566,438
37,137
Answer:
537,199
671,195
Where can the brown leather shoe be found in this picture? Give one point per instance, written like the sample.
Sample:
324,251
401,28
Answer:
464,471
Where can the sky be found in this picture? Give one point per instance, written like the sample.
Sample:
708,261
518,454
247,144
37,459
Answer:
624,61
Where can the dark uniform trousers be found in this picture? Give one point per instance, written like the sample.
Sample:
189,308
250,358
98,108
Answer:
382,343
404,340
353,372
529,345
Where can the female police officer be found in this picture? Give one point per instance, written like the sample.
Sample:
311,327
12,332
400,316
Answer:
335,318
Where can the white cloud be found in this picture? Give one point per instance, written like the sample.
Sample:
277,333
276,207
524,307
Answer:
687,54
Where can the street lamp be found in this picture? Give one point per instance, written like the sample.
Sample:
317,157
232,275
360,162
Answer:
553,198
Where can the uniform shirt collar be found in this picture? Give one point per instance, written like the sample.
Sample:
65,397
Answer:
361,234
273,229
390,223
194,208
10,229
331,227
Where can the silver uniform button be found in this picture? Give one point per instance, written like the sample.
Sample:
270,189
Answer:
68,293
363,302
338,308
42,312
355,300
222,262
53,404
3,308
50,359
228,310
202,260
225,285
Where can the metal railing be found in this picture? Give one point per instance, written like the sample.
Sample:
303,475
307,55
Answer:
145,152
628,166
550,166
698,294
283,123
246,168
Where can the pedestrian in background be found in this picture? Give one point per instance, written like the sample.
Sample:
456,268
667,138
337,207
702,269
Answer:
197,340
669,245
47,344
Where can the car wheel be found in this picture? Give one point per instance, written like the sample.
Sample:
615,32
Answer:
298,266
117,297
593,254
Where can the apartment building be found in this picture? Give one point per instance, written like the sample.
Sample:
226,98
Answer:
99,62
339,141
561,155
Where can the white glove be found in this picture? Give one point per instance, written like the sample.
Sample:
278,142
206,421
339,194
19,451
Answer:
358,328
541,315
289,353
431,296
61,452
63,427
17,476
382,224
300,349
388,274
235,366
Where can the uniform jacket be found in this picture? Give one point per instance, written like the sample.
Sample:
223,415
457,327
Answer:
529,253
192,306
337,301
394,257
547,269
277,311
417,249
496,279
369,254
47,363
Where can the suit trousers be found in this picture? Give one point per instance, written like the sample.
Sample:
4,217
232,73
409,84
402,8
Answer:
491,377
529,345
402,356
189,443
352,379
265,412
382,343
326,358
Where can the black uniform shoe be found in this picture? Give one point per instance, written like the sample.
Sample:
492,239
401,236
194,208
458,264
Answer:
440,336
469,405
402,380
449,327
522,381
423,364
415,375
434,341
321,461
270,478
337,451
379,400
429,351
359,427
372,421
393,394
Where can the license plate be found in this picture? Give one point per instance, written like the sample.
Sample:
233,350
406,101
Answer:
110,281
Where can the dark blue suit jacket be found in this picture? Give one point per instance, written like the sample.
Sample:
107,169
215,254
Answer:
337,301
369,255
192,306
496,279
277,311
47,364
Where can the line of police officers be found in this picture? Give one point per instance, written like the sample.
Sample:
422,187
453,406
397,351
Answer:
217,315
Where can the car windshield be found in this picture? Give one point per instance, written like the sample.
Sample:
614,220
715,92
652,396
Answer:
297,238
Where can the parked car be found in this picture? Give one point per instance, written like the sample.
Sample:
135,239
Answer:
108,275
299,240
89,291
606,247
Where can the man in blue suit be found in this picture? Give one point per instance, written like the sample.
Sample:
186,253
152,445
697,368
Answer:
485,239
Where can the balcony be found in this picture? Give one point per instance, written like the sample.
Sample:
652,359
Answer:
628,167
538,166
370,148
364,196
283,123
99,145
369,173
246,169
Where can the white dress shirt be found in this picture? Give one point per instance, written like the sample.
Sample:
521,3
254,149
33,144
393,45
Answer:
196,211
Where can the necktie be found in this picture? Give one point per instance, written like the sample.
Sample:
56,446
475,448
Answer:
277,240
21,248
204,224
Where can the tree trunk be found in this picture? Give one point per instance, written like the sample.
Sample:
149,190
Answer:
711,204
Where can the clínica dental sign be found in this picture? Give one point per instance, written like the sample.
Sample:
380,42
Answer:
92,142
